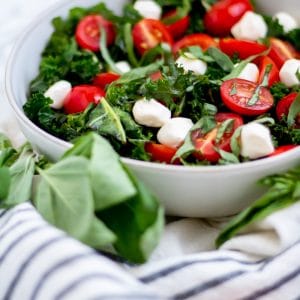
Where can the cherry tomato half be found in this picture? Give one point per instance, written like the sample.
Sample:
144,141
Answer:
197,39
206,145
103,79
243,48
264,62
179,27
81,96
224,14
281,51
283,106
88,32
246,97
282,149
160,153
148,33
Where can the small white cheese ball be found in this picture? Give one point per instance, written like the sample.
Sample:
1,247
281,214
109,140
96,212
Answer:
286,21
150,113
58,93
123,66
256,141
288,72
250,72
173,133
190,63
148,9
250,27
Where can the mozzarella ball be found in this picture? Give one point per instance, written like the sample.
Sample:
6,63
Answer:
58,92
173,133
148,9
150,113
288,72
189,63
286,21
250,27
256,141
123,66
250,72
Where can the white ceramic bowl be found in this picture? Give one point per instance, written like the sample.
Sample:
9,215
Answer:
212,191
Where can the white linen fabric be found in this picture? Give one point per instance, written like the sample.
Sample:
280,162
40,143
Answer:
38,261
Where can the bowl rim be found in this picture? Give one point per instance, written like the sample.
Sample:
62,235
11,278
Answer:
10,97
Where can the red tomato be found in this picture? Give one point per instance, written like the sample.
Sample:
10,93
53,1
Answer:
282,149
243,48
148,33
236,94
283,106
81,96
224,14
103,79
206,145
281,51
88,32
274,73
197,39
156,76
178,28
160,152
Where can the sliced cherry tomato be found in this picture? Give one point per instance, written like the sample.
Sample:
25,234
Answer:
103,79
283,106
282,149
206,145
179,27
197,39
246,97
264,62
160,153
224,14
243,48
281,51
81,96
88,32
148,33
156,76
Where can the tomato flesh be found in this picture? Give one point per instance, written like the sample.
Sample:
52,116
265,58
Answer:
242,48
179,27
224,14
283,106
103,79
197,39
206,145
81,96
160,153
237,94
88,32
149,33
265,61
282,149
281,51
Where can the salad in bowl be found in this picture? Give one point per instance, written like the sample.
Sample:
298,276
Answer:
197,97
191,84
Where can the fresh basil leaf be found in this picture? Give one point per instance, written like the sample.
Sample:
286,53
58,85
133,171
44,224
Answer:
138,224
227,157
221,59
226,126
283,192
98,235
5,183
294,111
106,122
129,44
64,196
110,183
21,173
235,142
181,12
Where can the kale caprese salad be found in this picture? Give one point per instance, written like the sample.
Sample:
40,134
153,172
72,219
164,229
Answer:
180,82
